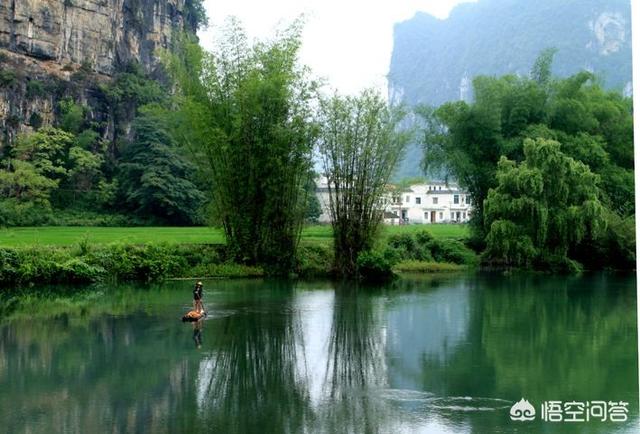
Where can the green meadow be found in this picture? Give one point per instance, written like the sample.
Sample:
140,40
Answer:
65,235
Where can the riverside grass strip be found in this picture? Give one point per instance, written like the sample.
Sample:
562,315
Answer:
74,235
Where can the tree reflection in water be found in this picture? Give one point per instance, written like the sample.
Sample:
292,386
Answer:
355,375
251,382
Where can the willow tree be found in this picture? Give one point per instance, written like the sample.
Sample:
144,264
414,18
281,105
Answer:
245,112
541,207
360,145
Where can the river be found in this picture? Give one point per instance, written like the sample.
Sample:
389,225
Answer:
430,354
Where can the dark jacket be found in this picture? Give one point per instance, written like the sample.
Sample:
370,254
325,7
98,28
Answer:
197,292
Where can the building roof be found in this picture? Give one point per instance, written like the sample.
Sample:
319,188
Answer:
450,188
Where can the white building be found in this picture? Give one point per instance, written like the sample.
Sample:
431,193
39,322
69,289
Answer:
322,193
433,202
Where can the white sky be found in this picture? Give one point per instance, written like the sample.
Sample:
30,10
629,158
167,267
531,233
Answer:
346,42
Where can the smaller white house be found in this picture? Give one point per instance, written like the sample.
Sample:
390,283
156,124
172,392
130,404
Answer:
432,202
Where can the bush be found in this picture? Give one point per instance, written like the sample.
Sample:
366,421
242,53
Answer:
7,78
35,120
35,88
374,267
558,264
196,254
407,246
16,213
227,269
424,238
9,265
427,267
139,262
77,271
314,260
613,248
80,217
452,251
423,247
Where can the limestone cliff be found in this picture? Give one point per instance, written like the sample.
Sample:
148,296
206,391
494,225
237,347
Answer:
68,47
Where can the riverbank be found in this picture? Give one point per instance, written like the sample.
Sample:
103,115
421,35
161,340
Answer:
86,262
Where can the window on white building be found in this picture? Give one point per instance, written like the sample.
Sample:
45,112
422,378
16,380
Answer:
407,199
452,216
440,187
440,216
435,200
464,215
426,216
418,201
468,200
456,199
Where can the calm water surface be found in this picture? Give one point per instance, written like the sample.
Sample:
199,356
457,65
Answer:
427,354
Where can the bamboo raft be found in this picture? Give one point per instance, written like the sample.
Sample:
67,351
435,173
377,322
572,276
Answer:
193,316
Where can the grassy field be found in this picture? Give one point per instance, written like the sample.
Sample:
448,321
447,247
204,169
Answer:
61,236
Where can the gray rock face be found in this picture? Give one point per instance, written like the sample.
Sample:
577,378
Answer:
434,60
98,33
50,40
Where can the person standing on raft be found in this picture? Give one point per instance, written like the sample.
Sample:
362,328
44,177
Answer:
197,297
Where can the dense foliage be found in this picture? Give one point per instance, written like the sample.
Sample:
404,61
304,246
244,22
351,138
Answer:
154,178
360,145
586,124
541,207
248,120
69,174
121,262
196,14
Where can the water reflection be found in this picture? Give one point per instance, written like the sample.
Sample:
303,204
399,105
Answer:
197,333
431,354
355,373
251,381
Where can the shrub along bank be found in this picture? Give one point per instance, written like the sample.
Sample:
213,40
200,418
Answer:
86,262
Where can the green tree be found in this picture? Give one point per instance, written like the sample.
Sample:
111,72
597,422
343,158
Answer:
196,14
248,120
47,149
129,90
541,71
24,183
313,210
155,179
85,169
72,116
593,126
360,145
541,207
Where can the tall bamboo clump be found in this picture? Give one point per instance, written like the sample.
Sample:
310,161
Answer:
245,112
360,146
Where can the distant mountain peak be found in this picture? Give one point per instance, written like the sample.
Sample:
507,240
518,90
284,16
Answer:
434,61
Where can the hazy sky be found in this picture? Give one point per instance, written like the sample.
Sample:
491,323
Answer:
348,42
